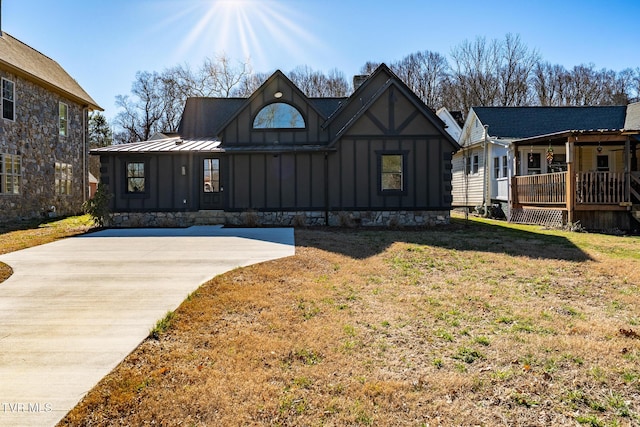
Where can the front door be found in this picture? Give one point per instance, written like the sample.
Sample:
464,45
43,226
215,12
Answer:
211,190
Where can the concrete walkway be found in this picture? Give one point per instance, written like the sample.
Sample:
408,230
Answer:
73,309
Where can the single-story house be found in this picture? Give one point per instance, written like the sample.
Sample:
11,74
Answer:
377,157
551,165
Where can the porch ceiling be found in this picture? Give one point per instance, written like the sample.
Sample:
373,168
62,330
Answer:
579,137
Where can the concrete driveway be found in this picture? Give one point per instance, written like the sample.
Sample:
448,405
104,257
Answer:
73,309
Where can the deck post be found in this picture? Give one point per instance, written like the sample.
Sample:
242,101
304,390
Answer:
571,181
627,170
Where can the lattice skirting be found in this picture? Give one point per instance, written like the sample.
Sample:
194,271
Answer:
548,217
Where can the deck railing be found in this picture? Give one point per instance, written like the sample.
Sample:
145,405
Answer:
544,189
606,188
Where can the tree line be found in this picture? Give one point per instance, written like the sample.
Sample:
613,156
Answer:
476,73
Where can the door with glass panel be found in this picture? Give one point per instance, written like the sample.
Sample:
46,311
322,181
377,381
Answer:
211,189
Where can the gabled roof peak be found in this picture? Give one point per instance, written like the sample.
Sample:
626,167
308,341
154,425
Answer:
21,59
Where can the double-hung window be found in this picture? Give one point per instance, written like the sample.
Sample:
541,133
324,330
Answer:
10,174
63,178
8,100
475,165
136,182
391,167
500,167
63,114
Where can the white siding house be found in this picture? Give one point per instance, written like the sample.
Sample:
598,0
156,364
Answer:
481,169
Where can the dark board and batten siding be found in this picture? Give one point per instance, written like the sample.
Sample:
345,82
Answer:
166,187
354,175
286,181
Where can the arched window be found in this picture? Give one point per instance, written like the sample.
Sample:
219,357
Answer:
279,116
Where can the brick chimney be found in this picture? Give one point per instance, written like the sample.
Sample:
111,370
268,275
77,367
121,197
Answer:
358,79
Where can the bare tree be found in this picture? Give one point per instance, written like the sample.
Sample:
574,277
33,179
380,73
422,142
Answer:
475,72
157,99
517,63
492,73
317,84
140,118
249,84
548,84
337,84
221,77
424,73
369,67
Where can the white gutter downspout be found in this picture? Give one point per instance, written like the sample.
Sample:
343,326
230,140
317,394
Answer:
484,178
84,154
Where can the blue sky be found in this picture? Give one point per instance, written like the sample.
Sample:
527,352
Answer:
103,43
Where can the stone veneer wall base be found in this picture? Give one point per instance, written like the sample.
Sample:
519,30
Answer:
286,219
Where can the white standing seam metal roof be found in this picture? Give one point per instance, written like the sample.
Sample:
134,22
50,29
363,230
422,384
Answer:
166,145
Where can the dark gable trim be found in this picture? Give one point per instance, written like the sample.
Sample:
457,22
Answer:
393,81
420,106
260,92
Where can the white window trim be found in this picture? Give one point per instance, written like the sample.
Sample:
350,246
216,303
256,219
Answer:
63,178
2,98
4,174
475,166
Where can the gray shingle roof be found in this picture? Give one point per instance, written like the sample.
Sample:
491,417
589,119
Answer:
205,116
23,59
524,122
632,121
327,106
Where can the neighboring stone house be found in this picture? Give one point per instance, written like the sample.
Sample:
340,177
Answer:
379,157
43,135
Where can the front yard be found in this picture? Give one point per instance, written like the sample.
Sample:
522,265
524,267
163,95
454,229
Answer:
482,323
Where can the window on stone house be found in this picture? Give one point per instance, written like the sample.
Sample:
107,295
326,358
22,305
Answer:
8,100
63,178
10,174
63,114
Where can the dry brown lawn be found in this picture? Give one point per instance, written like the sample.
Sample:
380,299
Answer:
473,324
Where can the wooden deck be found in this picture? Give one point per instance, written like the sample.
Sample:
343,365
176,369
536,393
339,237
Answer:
544,189
592,188
595,188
